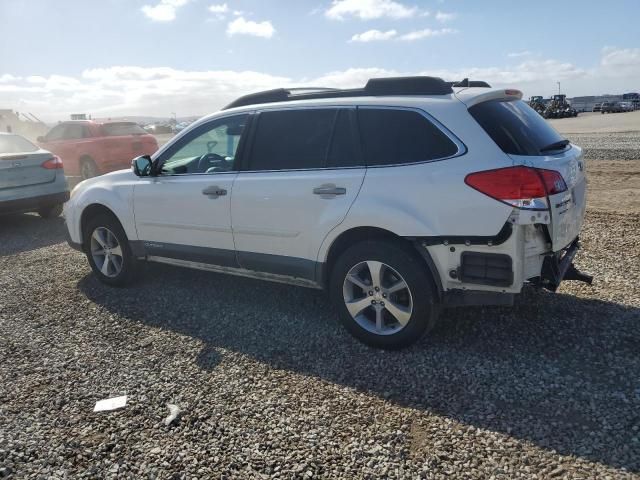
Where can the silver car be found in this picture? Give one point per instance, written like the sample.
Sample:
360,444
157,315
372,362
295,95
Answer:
31,179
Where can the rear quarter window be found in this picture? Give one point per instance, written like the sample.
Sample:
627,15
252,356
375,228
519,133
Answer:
393,136
515,127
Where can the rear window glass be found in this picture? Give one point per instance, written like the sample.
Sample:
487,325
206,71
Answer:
117,129
392,137
516,128
15,144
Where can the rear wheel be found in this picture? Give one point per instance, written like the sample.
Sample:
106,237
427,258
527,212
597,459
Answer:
107,248
88,169
384,294
51,211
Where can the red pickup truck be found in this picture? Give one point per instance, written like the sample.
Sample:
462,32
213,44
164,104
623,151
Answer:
89,148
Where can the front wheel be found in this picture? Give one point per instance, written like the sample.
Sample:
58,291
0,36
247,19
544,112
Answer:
384,294
88,169
108,251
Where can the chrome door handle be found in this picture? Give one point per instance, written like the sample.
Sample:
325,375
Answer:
329,190
214,191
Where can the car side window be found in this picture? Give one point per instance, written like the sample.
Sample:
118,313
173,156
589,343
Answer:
210,148
303,139
74,131
56,133
393,136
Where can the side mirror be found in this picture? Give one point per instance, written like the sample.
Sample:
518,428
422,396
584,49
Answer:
41,139
141,166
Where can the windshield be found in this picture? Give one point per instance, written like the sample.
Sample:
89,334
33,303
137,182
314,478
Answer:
15,144
516,128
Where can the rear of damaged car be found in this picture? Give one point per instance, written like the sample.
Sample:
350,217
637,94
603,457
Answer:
541,181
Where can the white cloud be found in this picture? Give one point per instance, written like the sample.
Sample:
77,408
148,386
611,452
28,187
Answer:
524,53
621,61
240,26
426,33
444,17
7,78
164,10
373,36
219,11
132,90
369,9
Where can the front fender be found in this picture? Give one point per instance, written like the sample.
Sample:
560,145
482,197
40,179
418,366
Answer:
113,191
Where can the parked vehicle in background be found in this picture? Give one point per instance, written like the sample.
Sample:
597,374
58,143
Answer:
398,198
31,179
597,107
626,106
610,107
158,128
90,148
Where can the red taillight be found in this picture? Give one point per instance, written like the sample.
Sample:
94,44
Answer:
53,163
518,186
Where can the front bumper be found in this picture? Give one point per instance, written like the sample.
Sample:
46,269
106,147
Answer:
75,245
33,204
558,266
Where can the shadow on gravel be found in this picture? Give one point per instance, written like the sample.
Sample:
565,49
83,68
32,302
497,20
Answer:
558,371
26,232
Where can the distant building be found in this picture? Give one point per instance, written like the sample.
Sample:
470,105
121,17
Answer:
25,124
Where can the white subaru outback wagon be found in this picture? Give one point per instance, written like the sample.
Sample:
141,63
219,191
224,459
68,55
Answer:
400,198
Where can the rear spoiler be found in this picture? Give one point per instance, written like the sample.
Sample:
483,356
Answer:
485,96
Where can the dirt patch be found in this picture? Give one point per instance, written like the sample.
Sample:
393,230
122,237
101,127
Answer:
614,186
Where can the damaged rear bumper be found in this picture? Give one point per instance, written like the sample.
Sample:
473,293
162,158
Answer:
558,266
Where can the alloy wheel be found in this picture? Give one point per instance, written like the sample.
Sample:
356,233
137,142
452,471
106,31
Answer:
106,252
377,297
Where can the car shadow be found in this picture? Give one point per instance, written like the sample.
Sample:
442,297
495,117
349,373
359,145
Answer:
41,232
555,370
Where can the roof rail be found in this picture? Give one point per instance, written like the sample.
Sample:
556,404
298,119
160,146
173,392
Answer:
374,87
470,83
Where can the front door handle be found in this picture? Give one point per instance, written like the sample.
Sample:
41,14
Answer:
329,190
214,191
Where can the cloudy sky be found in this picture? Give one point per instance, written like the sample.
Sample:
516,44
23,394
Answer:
154,57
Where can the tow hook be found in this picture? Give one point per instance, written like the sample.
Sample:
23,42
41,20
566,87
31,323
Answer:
558,267
574,274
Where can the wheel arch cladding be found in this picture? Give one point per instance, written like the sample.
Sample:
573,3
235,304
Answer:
359,234
91,211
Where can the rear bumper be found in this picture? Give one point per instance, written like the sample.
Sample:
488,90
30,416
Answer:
33,204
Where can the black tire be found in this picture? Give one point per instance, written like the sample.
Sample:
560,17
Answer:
52,211
88,168
129,264
415,273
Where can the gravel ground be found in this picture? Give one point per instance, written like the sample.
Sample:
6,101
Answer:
270,386
607,146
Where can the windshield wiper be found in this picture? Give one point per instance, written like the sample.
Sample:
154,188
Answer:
559,145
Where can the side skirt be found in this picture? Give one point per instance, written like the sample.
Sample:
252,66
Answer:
240,272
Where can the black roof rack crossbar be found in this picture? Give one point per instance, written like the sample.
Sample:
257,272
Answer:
374,87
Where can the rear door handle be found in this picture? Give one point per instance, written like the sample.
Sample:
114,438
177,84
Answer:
214,191
329,190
